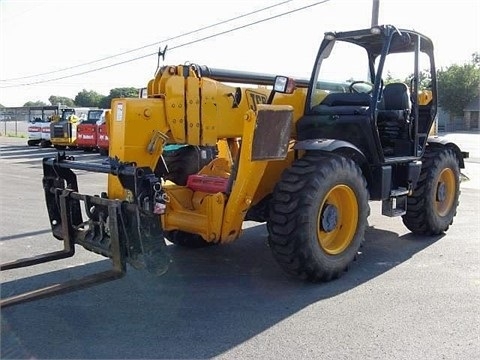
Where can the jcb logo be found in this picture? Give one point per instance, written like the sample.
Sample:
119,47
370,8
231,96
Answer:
254,99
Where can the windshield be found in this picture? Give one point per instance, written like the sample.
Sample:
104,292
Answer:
94,116
343,68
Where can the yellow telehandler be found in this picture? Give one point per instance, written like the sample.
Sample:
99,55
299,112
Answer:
306,156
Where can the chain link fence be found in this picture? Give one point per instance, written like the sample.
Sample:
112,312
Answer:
14,121
14,128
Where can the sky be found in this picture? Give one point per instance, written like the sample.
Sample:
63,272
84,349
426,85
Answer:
39,39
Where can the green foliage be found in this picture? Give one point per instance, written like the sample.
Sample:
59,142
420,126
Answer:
476,58
424,81
17,135
389,79
88,98
34,103
458,85
55,100
124,92
105,103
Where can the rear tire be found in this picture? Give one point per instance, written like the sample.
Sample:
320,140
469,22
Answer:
433,204
45,143
318,216
103,151
186,239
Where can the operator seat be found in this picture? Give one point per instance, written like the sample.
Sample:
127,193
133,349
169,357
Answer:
393,117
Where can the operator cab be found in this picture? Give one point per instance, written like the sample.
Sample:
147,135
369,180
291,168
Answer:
362,90
66,114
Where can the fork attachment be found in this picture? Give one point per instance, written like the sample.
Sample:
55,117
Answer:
126,232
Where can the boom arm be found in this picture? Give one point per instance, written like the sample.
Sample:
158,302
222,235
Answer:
183,108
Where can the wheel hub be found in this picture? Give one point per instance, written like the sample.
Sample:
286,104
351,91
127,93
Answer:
441,191
329,218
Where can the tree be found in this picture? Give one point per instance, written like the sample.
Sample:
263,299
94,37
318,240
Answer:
476,58
424,79
124,92
55,100
88,98
458,85
34,103
390,79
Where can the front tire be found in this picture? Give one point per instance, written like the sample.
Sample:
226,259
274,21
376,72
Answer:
187,160
318,217
186,239
433,204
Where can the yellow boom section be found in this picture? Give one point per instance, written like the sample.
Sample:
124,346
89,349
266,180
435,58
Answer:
184,108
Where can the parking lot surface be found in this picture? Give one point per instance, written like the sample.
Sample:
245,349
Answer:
406,297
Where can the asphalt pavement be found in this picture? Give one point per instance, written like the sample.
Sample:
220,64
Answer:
406,297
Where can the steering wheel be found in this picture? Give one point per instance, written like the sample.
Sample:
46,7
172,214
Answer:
360,87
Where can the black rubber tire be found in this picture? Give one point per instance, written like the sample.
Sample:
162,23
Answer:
186,239
33,142
103,151
294,224
433,204
181,163
187,160
45,144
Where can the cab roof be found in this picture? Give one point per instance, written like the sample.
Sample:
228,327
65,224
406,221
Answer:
373,39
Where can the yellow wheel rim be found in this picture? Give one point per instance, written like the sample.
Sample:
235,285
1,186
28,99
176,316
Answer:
445,192
337,219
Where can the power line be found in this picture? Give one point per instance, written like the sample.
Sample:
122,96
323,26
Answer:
173,48
35,6
149,45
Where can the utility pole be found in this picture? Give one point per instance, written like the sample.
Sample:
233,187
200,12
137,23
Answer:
375,8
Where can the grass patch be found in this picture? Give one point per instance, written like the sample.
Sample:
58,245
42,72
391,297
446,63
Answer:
22,136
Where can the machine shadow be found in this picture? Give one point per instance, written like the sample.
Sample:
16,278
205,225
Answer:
36,154
210,300
25,234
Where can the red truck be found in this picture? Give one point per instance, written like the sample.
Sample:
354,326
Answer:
87,130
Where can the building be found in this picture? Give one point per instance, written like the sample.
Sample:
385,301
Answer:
471,114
